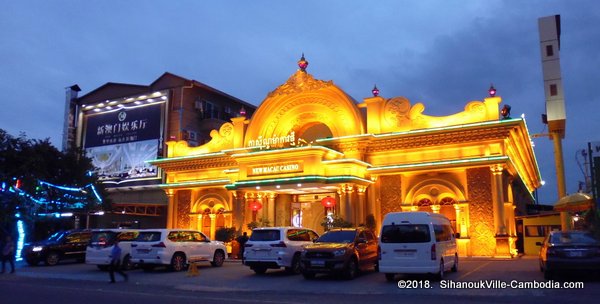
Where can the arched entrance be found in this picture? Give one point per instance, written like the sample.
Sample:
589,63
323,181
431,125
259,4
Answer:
210,213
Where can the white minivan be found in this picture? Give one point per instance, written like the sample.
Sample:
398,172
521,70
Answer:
416,242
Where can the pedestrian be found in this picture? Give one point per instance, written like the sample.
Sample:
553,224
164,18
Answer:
115,263
8,254
242,239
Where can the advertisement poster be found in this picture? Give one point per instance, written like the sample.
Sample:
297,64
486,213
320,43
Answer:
120,142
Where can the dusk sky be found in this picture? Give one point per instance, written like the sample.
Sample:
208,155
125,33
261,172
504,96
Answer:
441,53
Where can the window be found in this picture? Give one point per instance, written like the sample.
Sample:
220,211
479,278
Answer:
553,90
549,50
199,237
150,236
265,235
540,230
298,235
405,234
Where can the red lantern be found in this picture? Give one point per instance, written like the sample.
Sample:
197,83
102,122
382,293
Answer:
328,202
255,205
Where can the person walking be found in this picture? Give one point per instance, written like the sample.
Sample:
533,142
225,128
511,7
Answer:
8,254
242,239
115,263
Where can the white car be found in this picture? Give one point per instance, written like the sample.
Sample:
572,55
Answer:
175,248
98,251
276,247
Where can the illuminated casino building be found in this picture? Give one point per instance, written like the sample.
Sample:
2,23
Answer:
121,126
310,152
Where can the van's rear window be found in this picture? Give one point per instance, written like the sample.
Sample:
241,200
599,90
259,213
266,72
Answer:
148,236
405,234
265,235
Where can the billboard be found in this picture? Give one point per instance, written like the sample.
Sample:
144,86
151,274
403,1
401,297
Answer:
120,142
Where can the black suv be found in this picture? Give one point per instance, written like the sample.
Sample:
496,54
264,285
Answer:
69,244
344,251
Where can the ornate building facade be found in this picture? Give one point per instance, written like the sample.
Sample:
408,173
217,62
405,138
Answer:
309,143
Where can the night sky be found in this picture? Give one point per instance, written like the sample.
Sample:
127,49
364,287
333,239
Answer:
441,53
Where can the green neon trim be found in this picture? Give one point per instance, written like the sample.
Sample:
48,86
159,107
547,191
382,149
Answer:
438,163
195,183
288,149
196,156
346,160
309,178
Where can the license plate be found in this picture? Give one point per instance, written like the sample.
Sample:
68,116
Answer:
142,250
575,254
405,253
317,263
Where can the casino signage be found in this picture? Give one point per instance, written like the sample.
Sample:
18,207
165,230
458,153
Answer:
280,168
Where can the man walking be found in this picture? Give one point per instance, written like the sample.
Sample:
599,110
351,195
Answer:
115,263
8,254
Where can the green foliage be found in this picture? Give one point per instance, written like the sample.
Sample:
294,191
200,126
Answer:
263,222
252,225
31,161
225,234
335,222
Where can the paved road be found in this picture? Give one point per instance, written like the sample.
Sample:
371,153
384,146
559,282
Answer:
236,283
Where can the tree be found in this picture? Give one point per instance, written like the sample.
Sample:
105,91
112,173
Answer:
35,176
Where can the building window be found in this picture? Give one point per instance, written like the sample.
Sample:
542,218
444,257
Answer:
553,90
549,50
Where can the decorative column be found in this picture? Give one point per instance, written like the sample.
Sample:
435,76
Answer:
361,206
271,208
213,225
171,214
350,214
239,205
502,239
342,205
200,222
498,199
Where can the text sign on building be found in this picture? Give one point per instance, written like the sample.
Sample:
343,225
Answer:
280,168
123,126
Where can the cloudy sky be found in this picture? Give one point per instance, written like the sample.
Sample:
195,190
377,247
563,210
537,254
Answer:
442,53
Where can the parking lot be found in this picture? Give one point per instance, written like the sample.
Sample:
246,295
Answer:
234,277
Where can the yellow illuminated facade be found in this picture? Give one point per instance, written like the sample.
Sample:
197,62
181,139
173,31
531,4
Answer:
309,140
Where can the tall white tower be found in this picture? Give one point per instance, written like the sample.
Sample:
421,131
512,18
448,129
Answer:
549,28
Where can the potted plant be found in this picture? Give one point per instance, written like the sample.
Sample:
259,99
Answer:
225,235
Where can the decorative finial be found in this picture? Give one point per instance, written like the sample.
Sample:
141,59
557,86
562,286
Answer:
302,63
375,91
492,91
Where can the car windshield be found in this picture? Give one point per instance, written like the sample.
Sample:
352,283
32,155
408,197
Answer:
405,234
265,235
340,236
103,237
573,238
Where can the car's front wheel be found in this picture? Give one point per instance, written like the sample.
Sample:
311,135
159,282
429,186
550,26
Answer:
218,259
127,263
296,267
351,269
455,265
52,258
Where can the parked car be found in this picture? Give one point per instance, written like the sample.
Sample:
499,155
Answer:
62,245
569,251
344,251
98,251
276,247
417,242
175,248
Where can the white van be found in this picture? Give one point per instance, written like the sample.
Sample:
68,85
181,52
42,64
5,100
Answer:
416,242
98,251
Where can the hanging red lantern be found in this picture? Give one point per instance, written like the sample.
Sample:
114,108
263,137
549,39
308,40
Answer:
255,205
328,202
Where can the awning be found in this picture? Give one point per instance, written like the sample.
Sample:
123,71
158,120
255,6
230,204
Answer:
575,203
